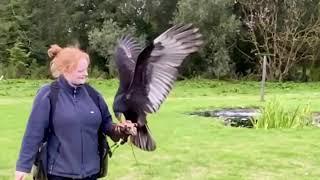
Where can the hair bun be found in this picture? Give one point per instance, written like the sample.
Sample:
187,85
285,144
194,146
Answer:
54,50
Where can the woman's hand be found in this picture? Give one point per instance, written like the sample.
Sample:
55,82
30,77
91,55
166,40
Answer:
20,175
123,130
128,127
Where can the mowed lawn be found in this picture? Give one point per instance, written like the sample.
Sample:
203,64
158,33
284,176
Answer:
191,147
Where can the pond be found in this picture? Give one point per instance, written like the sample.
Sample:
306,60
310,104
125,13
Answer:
242,117
235,117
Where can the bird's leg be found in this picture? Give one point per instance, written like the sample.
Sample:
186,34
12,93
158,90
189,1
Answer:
124,127
120,118
122,122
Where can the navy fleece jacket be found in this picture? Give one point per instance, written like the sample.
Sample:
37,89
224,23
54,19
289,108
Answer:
73,148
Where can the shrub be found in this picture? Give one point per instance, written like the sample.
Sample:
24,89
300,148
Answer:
275,115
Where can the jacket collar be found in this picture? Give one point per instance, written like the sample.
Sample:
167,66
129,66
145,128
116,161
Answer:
65,85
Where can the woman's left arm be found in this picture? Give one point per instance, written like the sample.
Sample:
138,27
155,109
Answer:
113,130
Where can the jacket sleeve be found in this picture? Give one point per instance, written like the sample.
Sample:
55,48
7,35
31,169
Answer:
34,133
108,127
106,117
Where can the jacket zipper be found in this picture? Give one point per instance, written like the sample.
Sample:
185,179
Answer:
74,93
82,168
51,167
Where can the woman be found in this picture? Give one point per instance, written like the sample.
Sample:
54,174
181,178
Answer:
73,145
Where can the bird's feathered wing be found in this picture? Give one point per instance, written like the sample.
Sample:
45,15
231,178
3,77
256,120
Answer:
147,77
126,55
157,66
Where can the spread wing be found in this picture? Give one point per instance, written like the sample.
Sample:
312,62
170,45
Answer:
157,66
126,56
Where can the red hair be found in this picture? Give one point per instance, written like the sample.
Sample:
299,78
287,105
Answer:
65,59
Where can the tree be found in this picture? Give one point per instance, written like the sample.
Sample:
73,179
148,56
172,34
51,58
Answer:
19,61
13,26
104,41
285,29
219,26
144,19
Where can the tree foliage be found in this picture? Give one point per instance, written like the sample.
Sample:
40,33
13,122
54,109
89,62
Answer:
236,33
284,30
219,27
104,40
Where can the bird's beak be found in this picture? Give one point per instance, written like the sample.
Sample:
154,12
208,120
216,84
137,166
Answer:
119,116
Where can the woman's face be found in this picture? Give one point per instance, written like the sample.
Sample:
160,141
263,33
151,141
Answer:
78,75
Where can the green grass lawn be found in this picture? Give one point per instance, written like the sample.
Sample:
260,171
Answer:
191,147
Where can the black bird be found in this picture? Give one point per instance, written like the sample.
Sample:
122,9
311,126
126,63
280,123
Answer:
147,76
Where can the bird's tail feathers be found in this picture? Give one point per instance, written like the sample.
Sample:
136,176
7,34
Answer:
143,139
